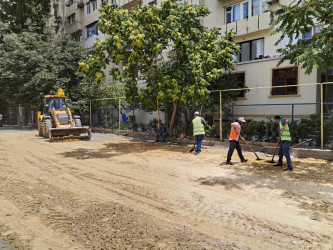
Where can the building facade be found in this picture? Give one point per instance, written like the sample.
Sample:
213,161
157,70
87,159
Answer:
256,64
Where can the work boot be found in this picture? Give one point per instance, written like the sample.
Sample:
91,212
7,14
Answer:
244,160
229,163
196,153
288,169
277,165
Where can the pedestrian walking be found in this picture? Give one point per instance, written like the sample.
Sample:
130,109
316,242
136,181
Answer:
198,130
236,128
285,142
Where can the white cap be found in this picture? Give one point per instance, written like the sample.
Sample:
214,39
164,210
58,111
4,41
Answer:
196,113
241,119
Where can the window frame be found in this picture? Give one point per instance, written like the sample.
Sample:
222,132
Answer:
94,24
241,11
244,83
88,9
239,56
297,70
94,5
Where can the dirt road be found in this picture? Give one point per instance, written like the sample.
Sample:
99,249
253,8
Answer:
113,193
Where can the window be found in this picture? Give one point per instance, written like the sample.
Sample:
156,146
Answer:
284,77
313,30
88,8
92,29
251,50
244,10
236,12
77,38
71,19
258,7
113,1
238,79
153,3
94,5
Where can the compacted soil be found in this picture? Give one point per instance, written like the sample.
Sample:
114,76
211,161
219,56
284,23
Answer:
116,193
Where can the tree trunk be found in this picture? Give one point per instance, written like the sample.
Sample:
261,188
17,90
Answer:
174,112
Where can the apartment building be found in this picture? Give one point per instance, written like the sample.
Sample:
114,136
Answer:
80,18
250,20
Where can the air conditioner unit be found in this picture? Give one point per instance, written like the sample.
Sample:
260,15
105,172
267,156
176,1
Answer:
272,1
68,4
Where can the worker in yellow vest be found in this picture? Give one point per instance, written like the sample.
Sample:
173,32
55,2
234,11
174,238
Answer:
234,140
285,142
198,130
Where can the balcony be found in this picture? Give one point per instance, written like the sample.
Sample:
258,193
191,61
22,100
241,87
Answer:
128,4
73,27
80,3
249,25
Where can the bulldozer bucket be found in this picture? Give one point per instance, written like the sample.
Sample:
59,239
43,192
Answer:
69,133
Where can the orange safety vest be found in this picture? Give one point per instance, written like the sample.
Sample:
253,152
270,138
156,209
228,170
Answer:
233,134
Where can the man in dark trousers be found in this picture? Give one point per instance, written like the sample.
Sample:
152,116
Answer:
234,140
285,142
198,130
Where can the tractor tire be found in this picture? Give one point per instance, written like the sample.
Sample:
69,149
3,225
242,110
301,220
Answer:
48,125
77,123
40,132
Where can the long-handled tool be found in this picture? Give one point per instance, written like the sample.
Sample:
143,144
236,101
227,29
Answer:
193,148
258,159
277,145
301,143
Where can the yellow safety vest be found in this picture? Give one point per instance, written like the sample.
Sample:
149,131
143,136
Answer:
198,127
285,136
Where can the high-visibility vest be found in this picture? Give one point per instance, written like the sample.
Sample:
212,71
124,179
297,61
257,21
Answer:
198,127
286,133
233,134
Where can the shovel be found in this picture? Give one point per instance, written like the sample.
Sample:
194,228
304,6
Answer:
277,144
258,159
193,148
300,143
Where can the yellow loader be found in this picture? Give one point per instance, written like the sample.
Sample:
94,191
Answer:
57,122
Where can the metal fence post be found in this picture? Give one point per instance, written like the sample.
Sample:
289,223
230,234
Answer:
321,116
292,121
119,115
221,138
232,113
90,117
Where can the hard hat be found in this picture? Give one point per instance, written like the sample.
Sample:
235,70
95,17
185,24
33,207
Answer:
241,119
196,113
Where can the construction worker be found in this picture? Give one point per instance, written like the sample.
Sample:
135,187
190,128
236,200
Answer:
198,130
285,142
234,140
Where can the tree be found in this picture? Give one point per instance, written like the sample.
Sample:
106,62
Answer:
298,18
30,66
197,55
20,14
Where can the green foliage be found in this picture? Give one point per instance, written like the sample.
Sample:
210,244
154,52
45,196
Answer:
296,19
254,130
213,131
20,15
31,66
197,55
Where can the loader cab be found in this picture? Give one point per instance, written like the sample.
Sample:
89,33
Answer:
58,103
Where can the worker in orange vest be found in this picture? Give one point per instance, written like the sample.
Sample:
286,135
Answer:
234,140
